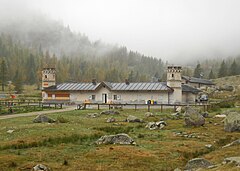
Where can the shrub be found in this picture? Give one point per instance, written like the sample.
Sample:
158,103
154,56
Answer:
226,104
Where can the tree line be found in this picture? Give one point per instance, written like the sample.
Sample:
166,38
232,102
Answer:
212,69
21,64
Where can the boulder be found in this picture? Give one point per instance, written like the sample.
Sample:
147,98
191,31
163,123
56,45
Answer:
176,115
193,117
220,116
110,112
149,114
235,160
236,142
179,109
205,115
132,118
232,122
40,167
43,118
116,139
110,120
197,163
93,115
156,125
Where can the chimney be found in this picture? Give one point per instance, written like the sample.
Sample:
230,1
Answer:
94,82
127,81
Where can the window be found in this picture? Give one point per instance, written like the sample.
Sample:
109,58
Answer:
45,76
172,75
115,97
93,97
53,96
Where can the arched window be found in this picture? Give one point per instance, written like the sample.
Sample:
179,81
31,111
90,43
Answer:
45,76
172,75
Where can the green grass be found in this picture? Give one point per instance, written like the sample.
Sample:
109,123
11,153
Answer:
69,144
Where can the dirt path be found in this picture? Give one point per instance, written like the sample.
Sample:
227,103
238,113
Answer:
36,113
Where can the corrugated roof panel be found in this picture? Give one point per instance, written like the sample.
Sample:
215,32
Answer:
73,86
155,86
131,86
150,86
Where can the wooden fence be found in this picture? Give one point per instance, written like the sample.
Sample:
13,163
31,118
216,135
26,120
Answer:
205,107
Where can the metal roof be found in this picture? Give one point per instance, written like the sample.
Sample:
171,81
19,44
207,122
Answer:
197,80
144,86
187,88
74,87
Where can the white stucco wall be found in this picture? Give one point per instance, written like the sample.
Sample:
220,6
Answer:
188,97
122,97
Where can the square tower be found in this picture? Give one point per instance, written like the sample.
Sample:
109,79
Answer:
174,80
48,77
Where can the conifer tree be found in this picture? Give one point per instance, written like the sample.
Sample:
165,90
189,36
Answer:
233,70
211,75
222,70
197,71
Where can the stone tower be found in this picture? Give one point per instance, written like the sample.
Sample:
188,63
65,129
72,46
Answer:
174,80
48,77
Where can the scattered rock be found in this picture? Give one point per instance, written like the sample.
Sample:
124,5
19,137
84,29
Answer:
208,146
149,114
176,115
236,142
132,118
156,125
40,167
93,115
232,122
43,118
110,112
193,117
235,160
220,116
197,163
177,169
179,109
110,120
10,131
205,115
116,139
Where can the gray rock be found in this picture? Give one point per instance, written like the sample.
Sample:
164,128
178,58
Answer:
205,115
43,118
110,120
177,169
232,122
116,139
156,125
176,115
149,114
132,118
110,112
93,115
197,163
236,142
40,167
10,131
193,117
209,146
235,160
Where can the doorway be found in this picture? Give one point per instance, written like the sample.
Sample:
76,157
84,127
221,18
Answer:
104,98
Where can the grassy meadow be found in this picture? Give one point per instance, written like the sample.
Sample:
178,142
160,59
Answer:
69,144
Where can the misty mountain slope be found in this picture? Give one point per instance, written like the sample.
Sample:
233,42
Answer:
36,41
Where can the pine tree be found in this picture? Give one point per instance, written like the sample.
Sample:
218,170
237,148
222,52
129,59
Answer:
198,71
233,70
18,81
222,70
3,73
211,75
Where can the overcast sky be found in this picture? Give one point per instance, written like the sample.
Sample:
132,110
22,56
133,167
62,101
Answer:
174,30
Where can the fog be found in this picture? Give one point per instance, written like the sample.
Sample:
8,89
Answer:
174,30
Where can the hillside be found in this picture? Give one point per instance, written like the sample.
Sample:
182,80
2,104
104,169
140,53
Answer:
36,41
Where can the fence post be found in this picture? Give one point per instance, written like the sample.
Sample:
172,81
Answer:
148,107
98,106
